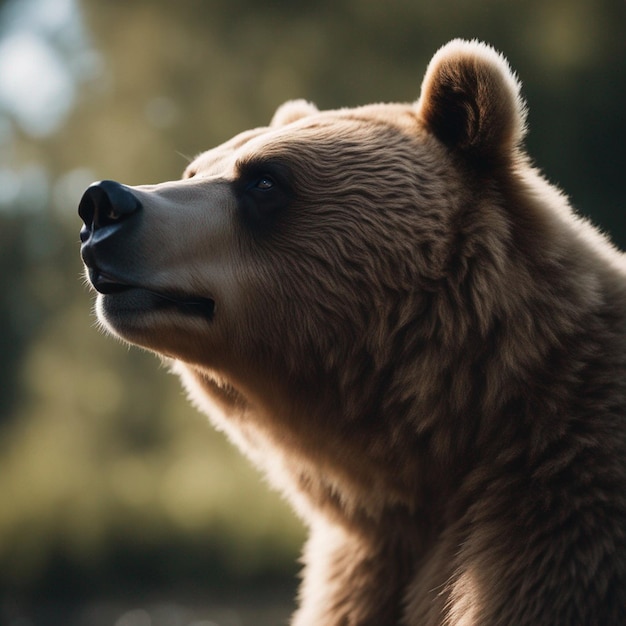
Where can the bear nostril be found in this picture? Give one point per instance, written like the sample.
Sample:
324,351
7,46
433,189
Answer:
104,203
84,234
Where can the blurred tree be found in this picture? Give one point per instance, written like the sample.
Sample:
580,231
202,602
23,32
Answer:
13,261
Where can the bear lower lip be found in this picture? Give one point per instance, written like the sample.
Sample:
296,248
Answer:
200,306
188,305
106,284
159,301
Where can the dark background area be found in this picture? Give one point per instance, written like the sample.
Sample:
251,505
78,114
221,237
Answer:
118,503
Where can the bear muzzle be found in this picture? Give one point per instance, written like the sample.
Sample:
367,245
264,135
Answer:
111,218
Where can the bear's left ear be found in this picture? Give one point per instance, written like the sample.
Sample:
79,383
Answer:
471,101
292,111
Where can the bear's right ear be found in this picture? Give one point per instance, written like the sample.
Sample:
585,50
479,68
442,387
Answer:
292,111
471,100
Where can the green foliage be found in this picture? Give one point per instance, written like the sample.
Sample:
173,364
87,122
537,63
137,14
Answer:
100,455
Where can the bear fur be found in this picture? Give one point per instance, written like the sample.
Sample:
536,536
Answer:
397,318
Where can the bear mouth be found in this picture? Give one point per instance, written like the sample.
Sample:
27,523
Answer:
110,286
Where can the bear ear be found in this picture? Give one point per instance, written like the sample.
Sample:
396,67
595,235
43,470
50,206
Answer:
471,101
292,111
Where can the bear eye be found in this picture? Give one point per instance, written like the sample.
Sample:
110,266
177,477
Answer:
263,190
264,183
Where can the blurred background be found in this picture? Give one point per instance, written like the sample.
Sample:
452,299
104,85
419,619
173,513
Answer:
119,506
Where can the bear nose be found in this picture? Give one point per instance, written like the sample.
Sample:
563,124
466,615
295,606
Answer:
103,208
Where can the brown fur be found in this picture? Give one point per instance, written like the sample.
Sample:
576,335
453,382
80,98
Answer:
417,340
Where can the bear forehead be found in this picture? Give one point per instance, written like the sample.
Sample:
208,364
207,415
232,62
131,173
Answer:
366,126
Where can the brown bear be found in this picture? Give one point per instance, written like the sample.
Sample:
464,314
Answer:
396,317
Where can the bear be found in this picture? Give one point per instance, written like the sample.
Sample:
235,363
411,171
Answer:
394,314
